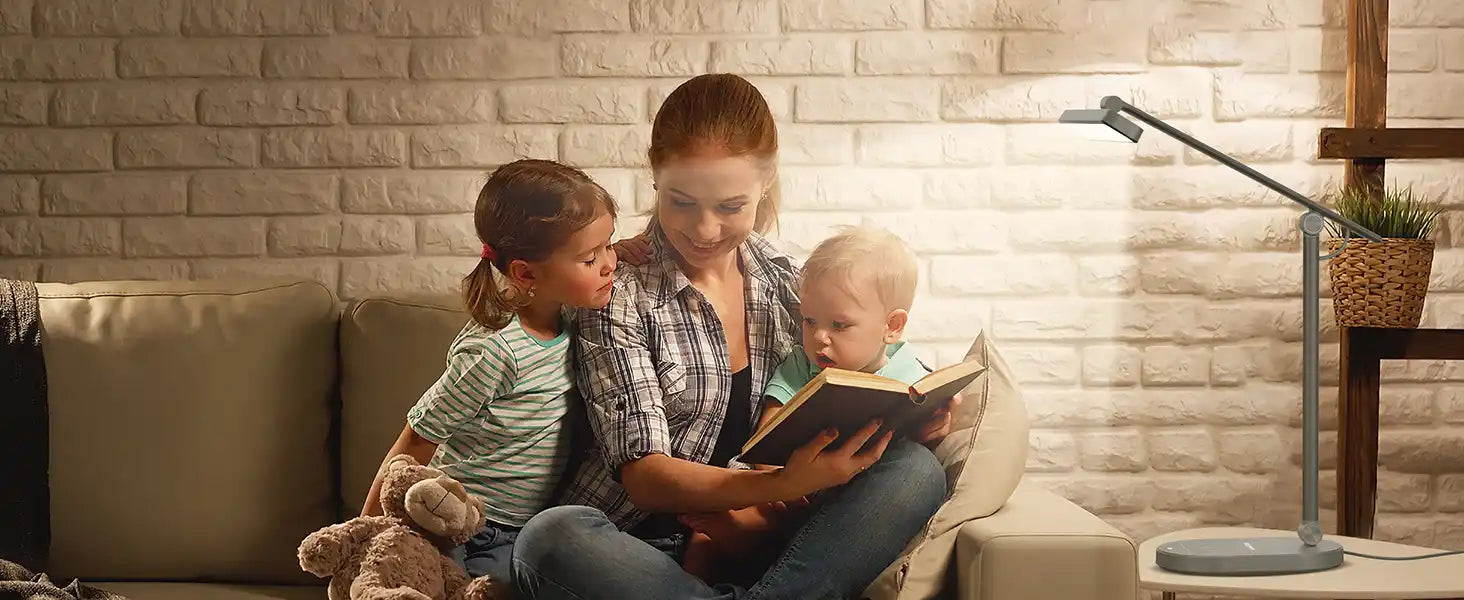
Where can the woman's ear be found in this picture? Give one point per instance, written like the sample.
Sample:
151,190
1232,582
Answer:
895,325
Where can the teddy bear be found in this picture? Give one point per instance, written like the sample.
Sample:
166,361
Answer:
402,554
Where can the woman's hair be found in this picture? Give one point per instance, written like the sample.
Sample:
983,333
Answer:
724,112
526,210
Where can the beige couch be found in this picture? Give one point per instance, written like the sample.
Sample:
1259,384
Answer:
199,430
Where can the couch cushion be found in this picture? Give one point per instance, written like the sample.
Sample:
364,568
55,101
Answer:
392,349
211,591
984,456
190,427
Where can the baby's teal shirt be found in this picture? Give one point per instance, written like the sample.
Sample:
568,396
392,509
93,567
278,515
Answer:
796,370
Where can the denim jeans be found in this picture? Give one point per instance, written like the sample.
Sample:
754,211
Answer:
853,533
488,552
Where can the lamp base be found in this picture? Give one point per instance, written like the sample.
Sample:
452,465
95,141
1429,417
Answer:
1247,556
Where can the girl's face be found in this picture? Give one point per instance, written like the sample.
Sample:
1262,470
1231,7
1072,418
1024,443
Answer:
579,272
707,205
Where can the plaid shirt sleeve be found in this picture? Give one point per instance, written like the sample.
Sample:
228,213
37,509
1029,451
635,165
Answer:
617,377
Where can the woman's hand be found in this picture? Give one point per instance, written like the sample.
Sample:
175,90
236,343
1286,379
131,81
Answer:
814,466
635,250
939,425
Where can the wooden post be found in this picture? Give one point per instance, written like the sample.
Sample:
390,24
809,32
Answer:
1367,81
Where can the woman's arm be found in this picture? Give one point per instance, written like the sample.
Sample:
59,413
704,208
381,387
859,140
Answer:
408,443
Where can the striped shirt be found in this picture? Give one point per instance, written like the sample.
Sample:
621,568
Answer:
655,372
500,414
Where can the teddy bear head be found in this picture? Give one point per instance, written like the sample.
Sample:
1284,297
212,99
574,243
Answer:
435,504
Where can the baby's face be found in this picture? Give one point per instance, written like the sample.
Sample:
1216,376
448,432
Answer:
844,325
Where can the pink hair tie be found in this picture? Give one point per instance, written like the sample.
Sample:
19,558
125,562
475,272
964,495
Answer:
488,252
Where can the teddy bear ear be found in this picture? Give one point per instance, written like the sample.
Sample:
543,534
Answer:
402,460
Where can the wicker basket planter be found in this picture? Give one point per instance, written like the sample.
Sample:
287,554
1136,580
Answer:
1380,284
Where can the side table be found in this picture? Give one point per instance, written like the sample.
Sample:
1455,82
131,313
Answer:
1362,351
1356,577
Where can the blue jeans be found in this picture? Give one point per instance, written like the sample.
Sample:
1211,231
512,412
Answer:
488,552
853,533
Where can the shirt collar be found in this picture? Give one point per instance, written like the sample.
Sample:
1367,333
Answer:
761,262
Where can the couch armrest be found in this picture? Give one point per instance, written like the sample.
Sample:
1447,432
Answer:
1040,546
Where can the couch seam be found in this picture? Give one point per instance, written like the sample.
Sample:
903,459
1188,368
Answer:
178,294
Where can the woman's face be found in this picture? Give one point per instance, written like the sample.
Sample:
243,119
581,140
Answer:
707,205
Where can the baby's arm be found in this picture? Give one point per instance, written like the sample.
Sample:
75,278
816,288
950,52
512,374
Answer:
409,443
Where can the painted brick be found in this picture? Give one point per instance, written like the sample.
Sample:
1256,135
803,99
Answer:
56,59
1003,275
486,146
1229,500
1107,275
272,104
1240,96
23,104
573,103
1113,451
606,145
1425,96
1098,51
16,16
73,270
57,237
19,195
1049,143
1104,495
690,16
262,192
1425,13
1038,15
404,18
325,271
451,235
304,236
1176,365
611,56
1043,364
335,58
405,192
1016,98
103,18
368,276
258,17
115,194
930,145
1231,365
818,188
53,150
790,55
377,235
850,15
125,104
1453,49
1186,449
803,144
928,53
1171,44
868,99
186,148
334,148
193,236
142,58
421,104
1107,365
1051,451
484,58
517,17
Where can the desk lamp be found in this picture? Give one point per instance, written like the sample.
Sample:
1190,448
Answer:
1255,555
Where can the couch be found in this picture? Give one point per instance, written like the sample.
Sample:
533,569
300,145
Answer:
200,429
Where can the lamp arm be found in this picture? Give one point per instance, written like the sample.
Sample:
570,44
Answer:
1116,103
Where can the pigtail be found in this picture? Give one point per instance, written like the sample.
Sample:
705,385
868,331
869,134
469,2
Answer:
487,299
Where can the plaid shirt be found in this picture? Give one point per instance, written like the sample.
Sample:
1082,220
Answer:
655,373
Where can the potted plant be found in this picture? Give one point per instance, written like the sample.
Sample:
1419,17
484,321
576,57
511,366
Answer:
1382,284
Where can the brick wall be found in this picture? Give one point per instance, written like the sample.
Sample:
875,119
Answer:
1147,298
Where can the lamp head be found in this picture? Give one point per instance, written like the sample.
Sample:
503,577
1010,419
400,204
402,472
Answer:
1103,124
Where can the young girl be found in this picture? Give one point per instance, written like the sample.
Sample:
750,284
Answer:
498,419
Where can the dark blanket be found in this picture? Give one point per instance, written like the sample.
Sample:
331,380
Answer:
18,583
25,507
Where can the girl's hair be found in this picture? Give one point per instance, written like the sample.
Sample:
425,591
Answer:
526,210
725,112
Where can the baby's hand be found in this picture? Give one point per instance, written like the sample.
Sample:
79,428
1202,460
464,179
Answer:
635,250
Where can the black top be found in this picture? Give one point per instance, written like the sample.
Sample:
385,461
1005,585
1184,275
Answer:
737,425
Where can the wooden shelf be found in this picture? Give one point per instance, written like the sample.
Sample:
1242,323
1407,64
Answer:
1391,142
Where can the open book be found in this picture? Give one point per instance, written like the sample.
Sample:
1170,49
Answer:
849,400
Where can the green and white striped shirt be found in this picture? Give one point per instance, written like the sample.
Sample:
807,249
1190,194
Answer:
500,416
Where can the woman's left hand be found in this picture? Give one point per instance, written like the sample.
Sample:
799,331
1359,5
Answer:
939,425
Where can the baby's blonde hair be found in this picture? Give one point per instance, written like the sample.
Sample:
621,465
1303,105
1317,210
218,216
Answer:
856,252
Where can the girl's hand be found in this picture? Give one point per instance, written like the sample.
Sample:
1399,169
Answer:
635,250
814,467
939,425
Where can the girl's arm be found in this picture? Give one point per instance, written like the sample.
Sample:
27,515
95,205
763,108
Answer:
409,443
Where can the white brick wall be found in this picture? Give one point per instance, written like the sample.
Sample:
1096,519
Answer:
1146,297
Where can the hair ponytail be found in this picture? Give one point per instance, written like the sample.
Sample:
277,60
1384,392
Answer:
488,300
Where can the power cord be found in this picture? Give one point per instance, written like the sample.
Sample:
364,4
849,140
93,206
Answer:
1421,556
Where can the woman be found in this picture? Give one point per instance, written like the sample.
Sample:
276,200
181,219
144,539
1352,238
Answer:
671,373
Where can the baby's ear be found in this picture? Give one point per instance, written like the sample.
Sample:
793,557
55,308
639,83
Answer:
895,325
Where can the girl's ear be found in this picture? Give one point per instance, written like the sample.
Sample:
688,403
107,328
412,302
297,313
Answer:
521,274
895,325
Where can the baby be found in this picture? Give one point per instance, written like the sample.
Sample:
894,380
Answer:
855,291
